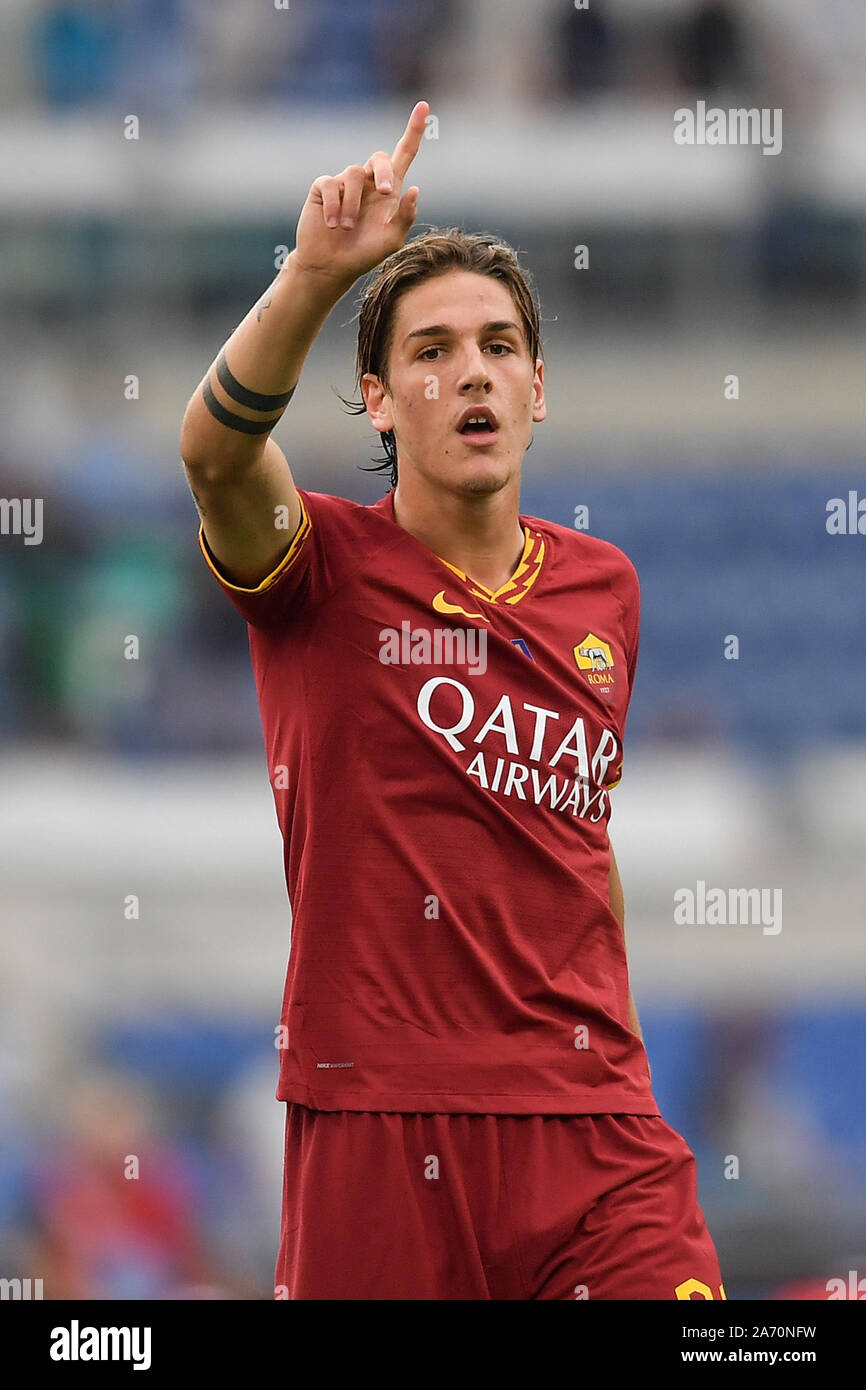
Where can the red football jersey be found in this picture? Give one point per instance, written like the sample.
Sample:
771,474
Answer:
441,758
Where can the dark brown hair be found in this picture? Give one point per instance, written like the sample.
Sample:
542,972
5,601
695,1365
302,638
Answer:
432,253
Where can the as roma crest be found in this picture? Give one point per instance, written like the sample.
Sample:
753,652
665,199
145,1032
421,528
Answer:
595,659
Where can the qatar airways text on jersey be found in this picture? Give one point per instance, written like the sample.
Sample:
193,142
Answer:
529,734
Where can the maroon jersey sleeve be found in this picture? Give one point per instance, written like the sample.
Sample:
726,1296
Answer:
627,588
630,599
316,561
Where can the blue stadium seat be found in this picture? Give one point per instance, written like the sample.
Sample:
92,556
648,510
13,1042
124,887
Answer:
739,553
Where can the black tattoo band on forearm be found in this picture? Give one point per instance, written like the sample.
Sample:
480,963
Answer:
254,400
235,422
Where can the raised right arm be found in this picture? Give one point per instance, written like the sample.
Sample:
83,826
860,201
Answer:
239,477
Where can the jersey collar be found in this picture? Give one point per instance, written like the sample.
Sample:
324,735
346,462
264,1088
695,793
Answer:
515,588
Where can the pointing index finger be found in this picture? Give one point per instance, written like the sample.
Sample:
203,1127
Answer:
410,141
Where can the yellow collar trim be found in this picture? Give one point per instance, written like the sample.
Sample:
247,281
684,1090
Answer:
522,579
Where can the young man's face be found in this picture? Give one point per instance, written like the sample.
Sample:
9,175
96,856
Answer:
457,349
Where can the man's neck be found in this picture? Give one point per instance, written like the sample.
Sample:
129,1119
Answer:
482,536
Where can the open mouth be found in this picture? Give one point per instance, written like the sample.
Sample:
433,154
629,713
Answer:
479,428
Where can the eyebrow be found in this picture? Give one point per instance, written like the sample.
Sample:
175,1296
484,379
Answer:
442,330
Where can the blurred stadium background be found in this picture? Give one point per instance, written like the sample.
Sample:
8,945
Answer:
153,1036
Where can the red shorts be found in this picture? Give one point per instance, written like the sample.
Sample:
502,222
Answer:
423,1206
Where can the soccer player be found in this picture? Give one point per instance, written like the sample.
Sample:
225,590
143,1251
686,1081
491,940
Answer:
443,685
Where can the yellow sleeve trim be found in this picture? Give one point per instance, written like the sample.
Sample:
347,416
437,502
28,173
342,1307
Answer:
288,559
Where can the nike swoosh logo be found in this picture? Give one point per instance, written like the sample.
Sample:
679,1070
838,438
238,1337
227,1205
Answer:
441,604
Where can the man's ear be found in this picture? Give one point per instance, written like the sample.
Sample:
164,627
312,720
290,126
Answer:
539,404
377,401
